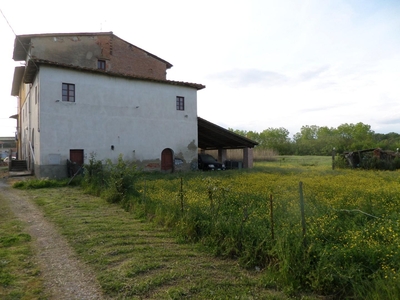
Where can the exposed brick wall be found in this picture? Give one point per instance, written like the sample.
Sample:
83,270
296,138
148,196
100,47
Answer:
132,60
86,50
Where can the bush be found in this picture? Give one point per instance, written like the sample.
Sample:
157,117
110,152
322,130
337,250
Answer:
93,181
120,180
115,183
40,183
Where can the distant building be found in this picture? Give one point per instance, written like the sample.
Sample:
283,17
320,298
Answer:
7,144
94,93
86,93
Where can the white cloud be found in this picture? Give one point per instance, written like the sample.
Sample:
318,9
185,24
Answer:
242,78
264,63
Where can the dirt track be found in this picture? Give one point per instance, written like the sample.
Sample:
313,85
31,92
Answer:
65,277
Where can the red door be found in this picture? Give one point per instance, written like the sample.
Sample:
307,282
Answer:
76,158
167,160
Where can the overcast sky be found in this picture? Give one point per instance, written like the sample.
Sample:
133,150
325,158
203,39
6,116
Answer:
265,63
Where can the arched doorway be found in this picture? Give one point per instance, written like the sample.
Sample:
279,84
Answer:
167,160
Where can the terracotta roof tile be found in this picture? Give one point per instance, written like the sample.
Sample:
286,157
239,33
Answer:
33,64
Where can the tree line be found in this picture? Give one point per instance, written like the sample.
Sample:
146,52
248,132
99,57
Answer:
316,140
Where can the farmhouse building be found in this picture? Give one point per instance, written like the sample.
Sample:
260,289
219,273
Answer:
83,94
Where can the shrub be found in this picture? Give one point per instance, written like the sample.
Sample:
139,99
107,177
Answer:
40,183
115,182
93,181
120,180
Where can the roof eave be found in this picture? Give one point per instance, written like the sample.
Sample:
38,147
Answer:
212,136
17,80
22,43
33,64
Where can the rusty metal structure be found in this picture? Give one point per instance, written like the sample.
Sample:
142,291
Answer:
374,158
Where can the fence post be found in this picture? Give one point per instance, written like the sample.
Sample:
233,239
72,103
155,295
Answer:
144,197
303,218
181,194
333,158
272,216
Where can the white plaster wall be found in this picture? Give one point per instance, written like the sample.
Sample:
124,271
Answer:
24,131
30,121
138,117
25,123
34,129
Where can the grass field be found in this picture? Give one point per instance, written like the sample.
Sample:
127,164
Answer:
134,259
346,245
19,276
304,161
351,223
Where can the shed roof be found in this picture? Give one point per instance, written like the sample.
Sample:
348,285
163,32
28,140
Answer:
212,137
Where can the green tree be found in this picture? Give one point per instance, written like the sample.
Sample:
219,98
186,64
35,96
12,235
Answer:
388,141
238,131
315,140
306,140
327,139
252,135
355,137
276,139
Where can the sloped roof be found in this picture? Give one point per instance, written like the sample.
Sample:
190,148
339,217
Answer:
22,43
28,73
212,137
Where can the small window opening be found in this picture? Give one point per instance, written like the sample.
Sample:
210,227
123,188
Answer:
180,103
68,92
101,64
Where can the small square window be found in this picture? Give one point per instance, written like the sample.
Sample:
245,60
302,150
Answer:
68,92
101,64
180,103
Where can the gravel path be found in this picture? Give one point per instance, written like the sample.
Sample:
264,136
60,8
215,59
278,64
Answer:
65,277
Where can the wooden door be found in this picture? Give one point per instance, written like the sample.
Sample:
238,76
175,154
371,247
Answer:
167,162
76,158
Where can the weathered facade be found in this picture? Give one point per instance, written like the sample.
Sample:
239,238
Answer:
94,93
98,51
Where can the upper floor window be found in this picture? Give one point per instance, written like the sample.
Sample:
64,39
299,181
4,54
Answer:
101,64
180,103
68,92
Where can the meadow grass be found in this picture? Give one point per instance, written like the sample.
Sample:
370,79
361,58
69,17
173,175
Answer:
19,276
304,161
134,259
350,248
